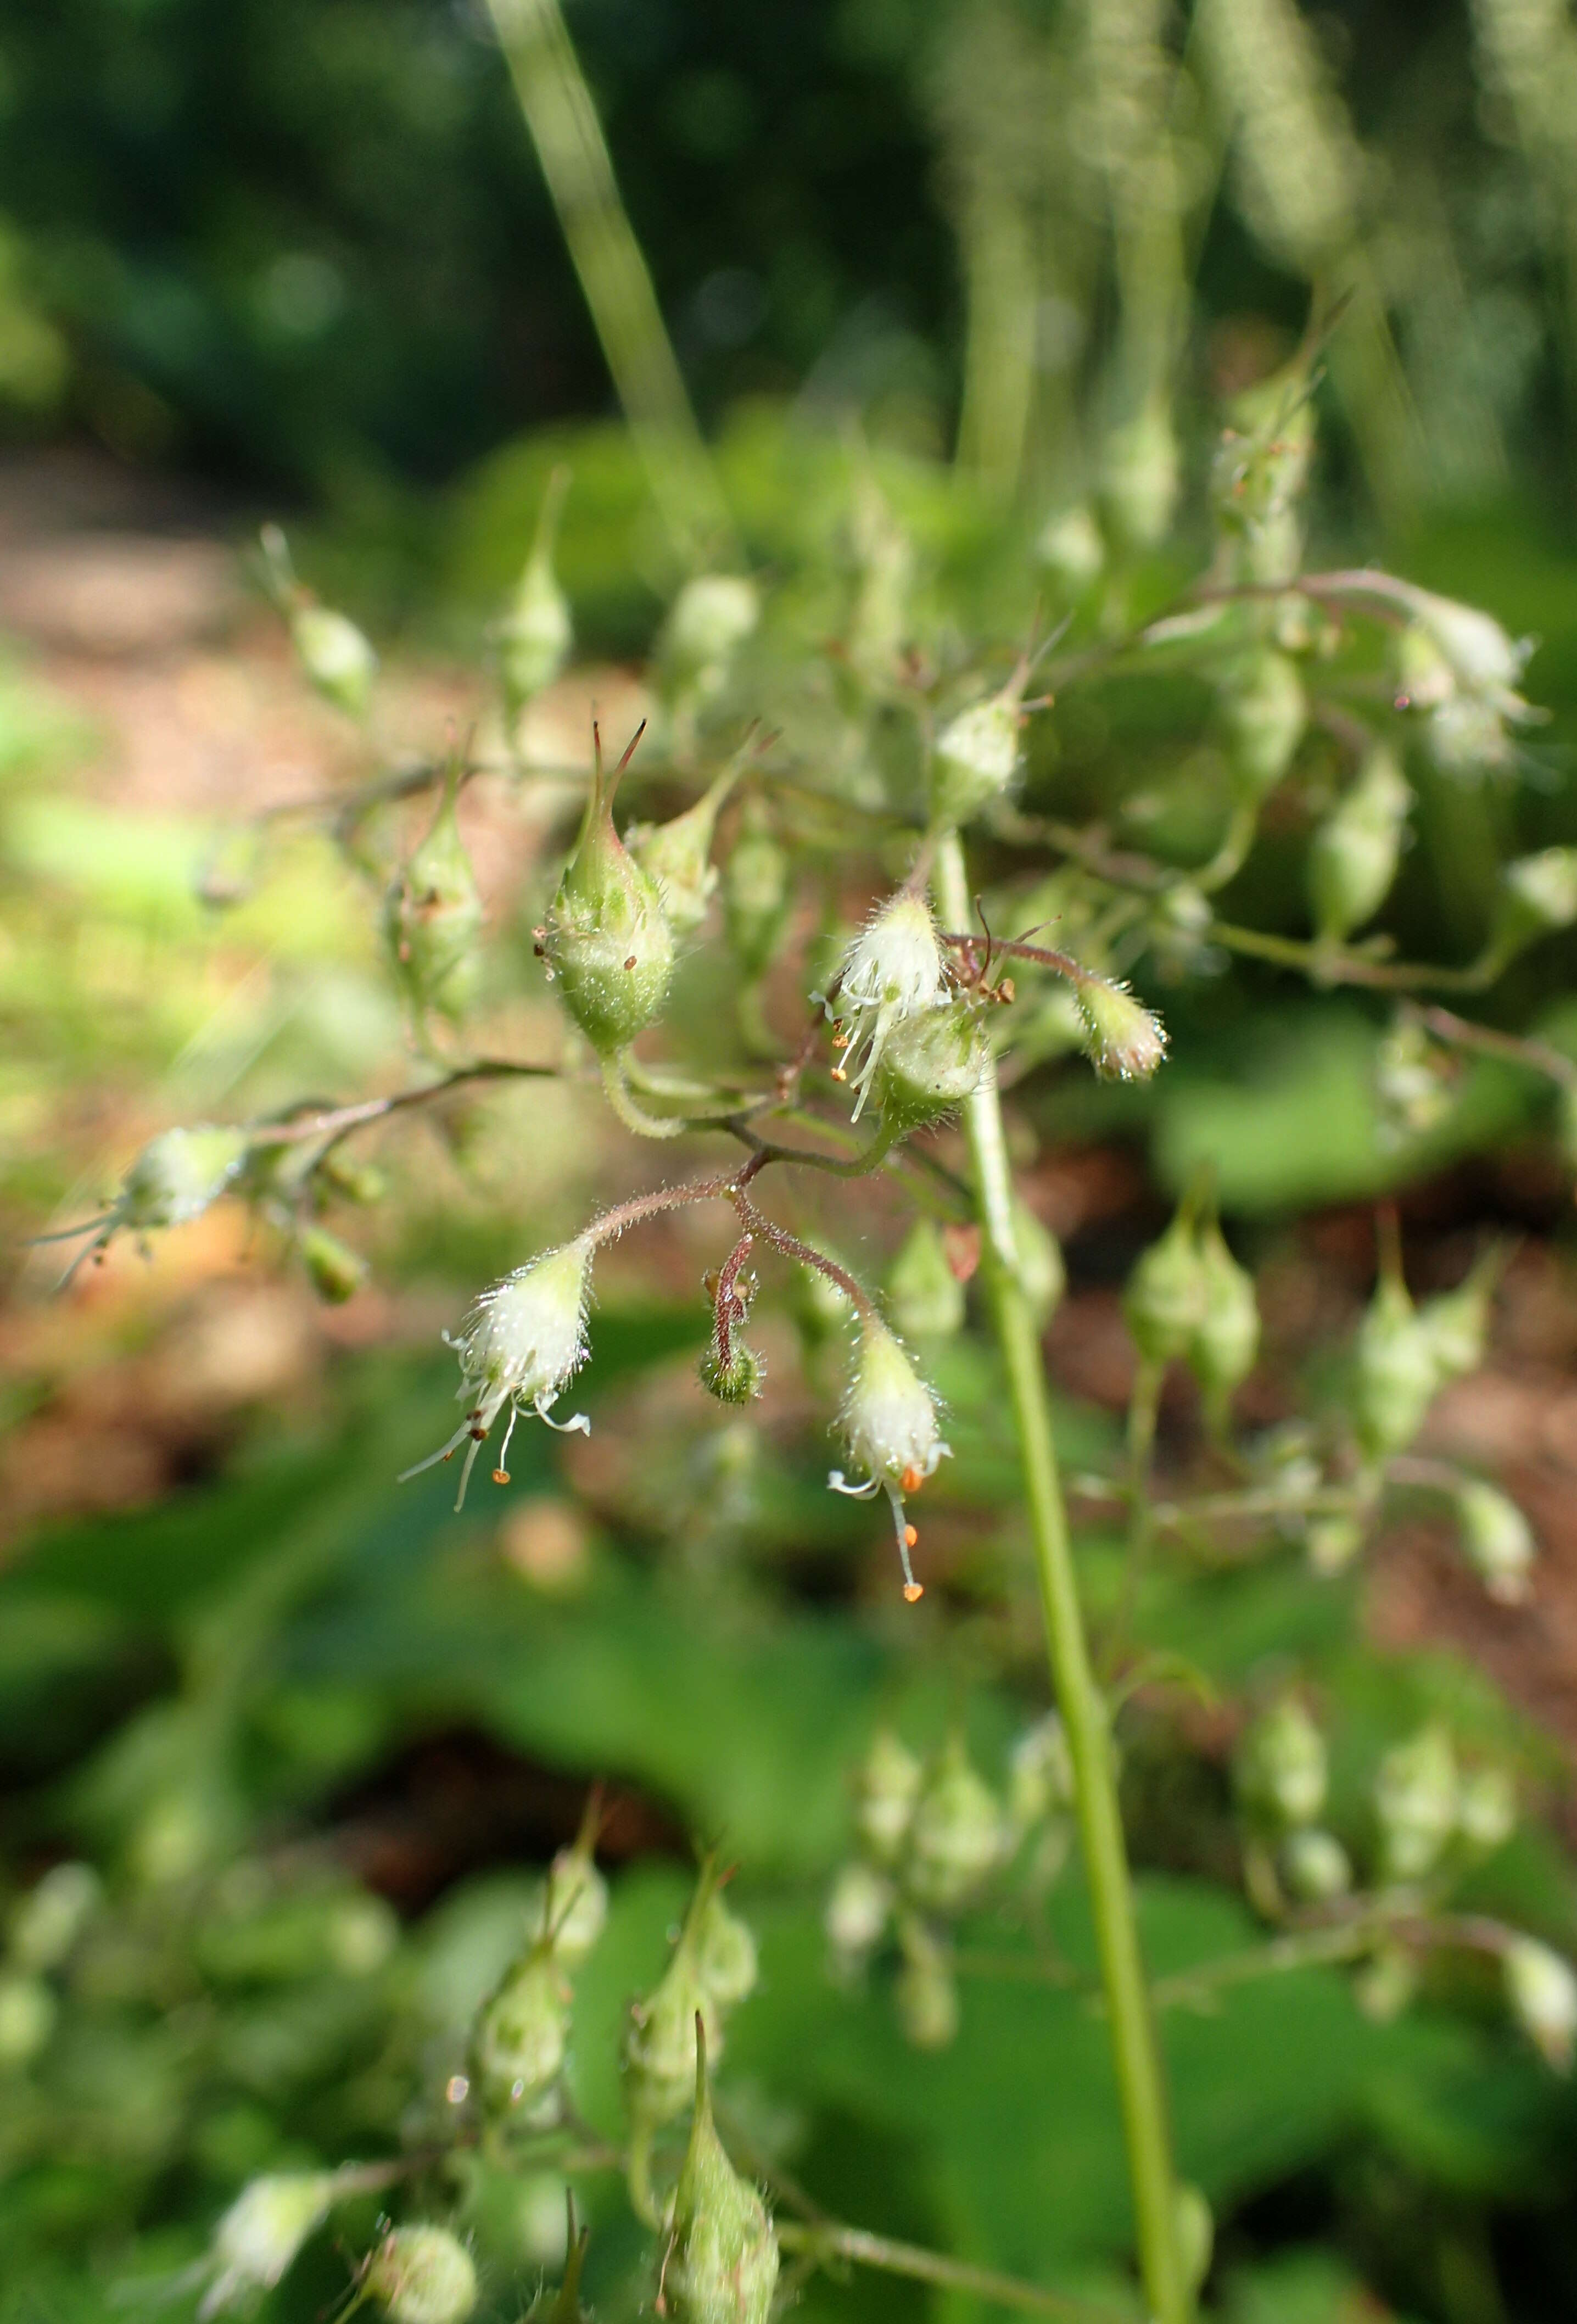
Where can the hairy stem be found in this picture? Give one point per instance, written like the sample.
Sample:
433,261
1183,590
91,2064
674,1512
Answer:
1133,2041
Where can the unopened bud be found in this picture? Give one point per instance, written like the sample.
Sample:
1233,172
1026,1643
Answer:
259,2235
887,1422
1499,1541
28,2011
536,632
976,755
928,1064
336,1272
1260,470
524,1341
1225,1341
888,1785
1165,1297
924,1294
1487,1810
422,2276
661,2053
925,1991
955,1837
755,893
1140,476
174,1179
858,1909
735,1378
894,970
1413,1085
1538,894
1397,1374
725,1953
1355,852
335,658
1123,1039
721,2266
523,2034
1542,1991
1416,1797
47,1921
1264,713
1070,547
577,1900
1314,1867
1279,1771
608,942
678,854
1457,1323
707,622
433,917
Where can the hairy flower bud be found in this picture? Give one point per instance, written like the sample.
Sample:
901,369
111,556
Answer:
1355,852
1499,1541
733,1379
534,637
1397,1372
1416,1797
422,2276
1279,1771
335,658
337,1273
1123,1040
887,1422
1538,895
607,941
721,2266
888,1785
859,1907
976,755
523,2036
924,1295
1070,547
925,1991
1314,1867
1542,1991
433,917
894,971
928,1064
176,1175
259,2235
523,1341
677,854
1164,1301
956,1835
1264,713
1225,1341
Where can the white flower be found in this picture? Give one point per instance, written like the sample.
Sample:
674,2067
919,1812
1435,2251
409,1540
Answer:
261,2234
889,1424
1483,657
1542,1994
894,969
525,1340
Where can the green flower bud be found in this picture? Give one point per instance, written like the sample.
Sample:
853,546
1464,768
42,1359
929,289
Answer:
1225,1341
174,1179
677,854
1122,1039
1354,859
888,1785
536,632
707,622
1139,476
1040,1775
1499,1541
924,1295
1070,547
422,2276
1412,1091
1332,1544
1196,2232
578,1903
1279,1771
607,941
976,755
721,2266
755,893
1315,1869
523,2036
28,2010
725,1953
858,1909
925,1991
956,1835
1264,713
1538,894
929,1066
47,1921
1487,1808
335,658
1166,1295
336,1272
259,2235
432,917
733,1379
1416,1798
1457,1323
1397,1371
1385,1986
1041,1275
660,2054
1542,1991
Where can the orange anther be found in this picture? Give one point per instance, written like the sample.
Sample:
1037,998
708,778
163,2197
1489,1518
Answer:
912,1479
501,1476
913,1591
910,1536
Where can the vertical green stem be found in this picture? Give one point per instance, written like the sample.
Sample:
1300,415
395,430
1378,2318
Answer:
1084,1713
574,154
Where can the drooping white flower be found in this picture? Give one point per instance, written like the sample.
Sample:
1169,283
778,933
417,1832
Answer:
524,1341
260,2233
889,1427
894,969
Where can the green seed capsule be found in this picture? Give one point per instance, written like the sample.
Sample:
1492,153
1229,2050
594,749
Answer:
677,854
888,1785
1542,1990
924,1295
1354,859
1499,1541
1416,1798
707,622
1397,1372
1487,1808
1538,895
721,2266
755,893
976,756
955,1837
336,1272
928,1064
433,917
1279,1771
1041,1274
1456,1324
523,2036
335,658
536,634
1264,713
607,941
1140,476
660,2056
1072,550
1225,1341
577,1902
858,1908
733,1379
422,2276
1315,1869
925,1991
1166,1296
726,1954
